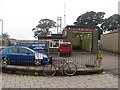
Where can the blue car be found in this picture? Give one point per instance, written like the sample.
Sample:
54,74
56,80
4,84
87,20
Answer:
20,55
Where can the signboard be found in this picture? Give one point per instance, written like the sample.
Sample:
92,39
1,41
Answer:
82,30
37,46
40,47
38,55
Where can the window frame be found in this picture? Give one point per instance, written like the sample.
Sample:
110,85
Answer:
53,42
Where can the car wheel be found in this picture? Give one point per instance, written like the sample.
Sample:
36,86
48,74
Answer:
37,62
4,62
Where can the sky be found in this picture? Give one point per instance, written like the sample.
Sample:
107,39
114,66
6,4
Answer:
20,16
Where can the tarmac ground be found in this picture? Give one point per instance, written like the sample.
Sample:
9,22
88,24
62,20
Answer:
102,80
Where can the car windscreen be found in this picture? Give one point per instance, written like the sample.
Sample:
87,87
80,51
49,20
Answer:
65,45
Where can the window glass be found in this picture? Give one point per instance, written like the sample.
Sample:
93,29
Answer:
51,44
54,43
66,45
24,51
13,50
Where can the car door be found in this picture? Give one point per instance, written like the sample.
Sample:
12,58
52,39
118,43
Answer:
13,55
27,56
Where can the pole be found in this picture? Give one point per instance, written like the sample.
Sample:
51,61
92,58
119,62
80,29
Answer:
1,33
64,13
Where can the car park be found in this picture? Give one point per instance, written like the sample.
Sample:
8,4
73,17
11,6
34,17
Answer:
20,55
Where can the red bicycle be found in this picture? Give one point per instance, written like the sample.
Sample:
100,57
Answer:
66,66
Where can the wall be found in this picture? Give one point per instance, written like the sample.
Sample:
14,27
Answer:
110,42
87,41
95,41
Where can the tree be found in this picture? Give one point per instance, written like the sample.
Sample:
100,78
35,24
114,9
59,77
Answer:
111,23
42,29
90,20
5,36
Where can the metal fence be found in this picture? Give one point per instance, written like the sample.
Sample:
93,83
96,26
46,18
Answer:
80,59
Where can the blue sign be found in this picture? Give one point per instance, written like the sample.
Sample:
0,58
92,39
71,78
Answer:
40,47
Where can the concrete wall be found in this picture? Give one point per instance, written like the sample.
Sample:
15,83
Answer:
110,42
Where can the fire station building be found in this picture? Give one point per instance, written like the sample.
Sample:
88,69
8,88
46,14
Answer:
82,39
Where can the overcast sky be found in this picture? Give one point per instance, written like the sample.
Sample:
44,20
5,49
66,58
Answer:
20,16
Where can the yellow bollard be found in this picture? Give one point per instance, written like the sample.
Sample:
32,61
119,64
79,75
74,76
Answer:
99,58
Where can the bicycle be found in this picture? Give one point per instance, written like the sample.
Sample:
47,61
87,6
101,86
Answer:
66,66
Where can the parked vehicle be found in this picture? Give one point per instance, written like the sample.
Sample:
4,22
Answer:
20,55
65,49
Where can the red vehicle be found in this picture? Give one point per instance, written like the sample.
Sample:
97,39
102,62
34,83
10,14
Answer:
65,49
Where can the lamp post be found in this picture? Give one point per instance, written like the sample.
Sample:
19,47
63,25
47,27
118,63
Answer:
1,33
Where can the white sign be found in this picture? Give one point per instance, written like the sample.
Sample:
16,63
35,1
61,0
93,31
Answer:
38,55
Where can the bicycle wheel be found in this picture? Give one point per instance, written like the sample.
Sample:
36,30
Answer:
70,68
49,70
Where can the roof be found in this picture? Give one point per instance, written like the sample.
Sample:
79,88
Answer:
115,31
73,26
53,36
65,43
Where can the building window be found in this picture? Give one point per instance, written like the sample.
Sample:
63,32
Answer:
65,33
54,44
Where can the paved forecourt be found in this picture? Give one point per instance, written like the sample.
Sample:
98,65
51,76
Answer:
79,81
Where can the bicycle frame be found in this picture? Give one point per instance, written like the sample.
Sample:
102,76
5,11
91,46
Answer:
60,64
